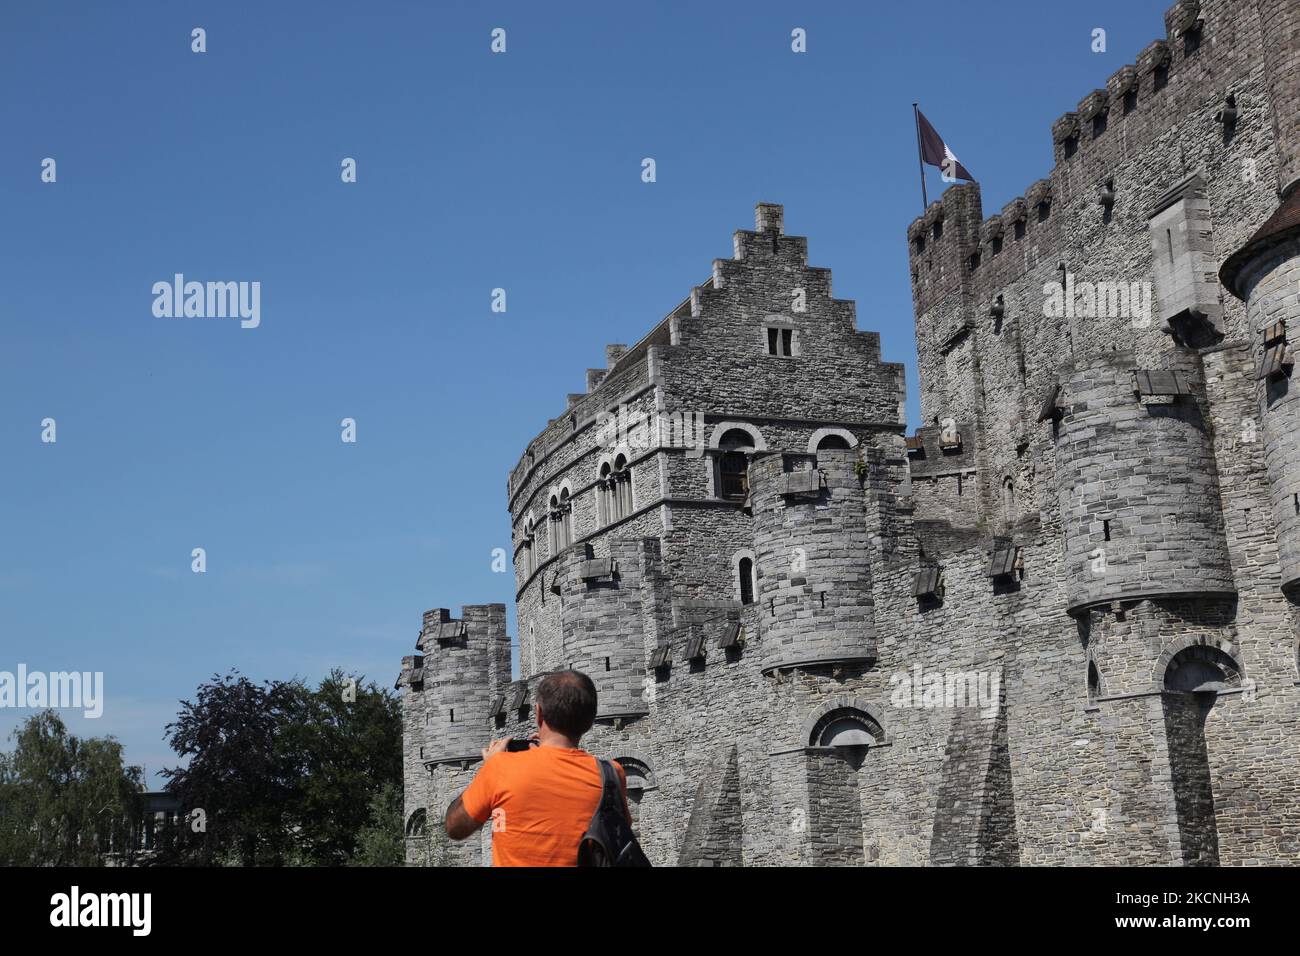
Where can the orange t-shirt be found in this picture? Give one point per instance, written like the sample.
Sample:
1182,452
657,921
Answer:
540,801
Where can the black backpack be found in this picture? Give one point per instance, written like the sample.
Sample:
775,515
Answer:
609,840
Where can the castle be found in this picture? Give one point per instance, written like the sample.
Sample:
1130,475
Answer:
1058,625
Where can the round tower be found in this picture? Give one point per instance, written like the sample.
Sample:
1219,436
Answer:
1279,22
1265,273
1137,483
602,624
466,662
812,548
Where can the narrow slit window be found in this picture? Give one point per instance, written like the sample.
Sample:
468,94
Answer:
1105,530
746,571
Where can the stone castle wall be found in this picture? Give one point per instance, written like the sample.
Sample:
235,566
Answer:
1055,626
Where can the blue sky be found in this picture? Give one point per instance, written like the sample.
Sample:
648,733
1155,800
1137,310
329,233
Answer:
475,171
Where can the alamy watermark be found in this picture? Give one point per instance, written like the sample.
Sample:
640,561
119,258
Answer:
57,689
933,689
209,300
638,430
1098,300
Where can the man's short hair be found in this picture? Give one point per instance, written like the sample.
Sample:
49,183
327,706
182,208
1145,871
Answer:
568,702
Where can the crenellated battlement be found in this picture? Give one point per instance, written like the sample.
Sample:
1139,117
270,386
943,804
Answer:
1072,595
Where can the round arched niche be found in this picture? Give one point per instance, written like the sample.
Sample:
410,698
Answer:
1200,669
640,777
416,823
847,730
845,726
827,438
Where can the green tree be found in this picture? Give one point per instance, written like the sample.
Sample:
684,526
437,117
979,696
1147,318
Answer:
66,800
238,774
381,842
285,774
345,740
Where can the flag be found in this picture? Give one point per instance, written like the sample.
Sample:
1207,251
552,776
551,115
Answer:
935,152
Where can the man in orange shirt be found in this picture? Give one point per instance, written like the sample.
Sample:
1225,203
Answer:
540,800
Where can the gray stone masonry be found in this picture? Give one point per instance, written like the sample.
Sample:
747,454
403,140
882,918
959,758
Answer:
1057,625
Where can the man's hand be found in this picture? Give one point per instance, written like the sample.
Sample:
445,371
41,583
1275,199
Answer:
495,747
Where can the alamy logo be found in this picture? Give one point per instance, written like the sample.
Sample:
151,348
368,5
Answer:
103,909
638,430
57,689
209,300
930,690
1098,300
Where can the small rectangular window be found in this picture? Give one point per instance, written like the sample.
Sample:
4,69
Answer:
780,342
1130,100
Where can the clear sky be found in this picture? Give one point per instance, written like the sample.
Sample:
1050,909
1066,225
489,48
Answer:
475,171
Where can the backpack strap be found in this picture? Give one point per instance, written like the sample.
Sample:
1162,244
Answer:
609,781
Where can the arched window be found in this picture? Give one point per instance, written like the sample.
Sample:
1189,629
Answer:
833,441
733,465
1009,499
553,526
560,524
526,558
1094,682
622,488
566,520
606,511
416,822
745,571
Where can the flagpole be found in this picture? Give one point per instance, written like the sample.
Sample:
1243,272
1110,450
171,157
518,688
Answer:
920,165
